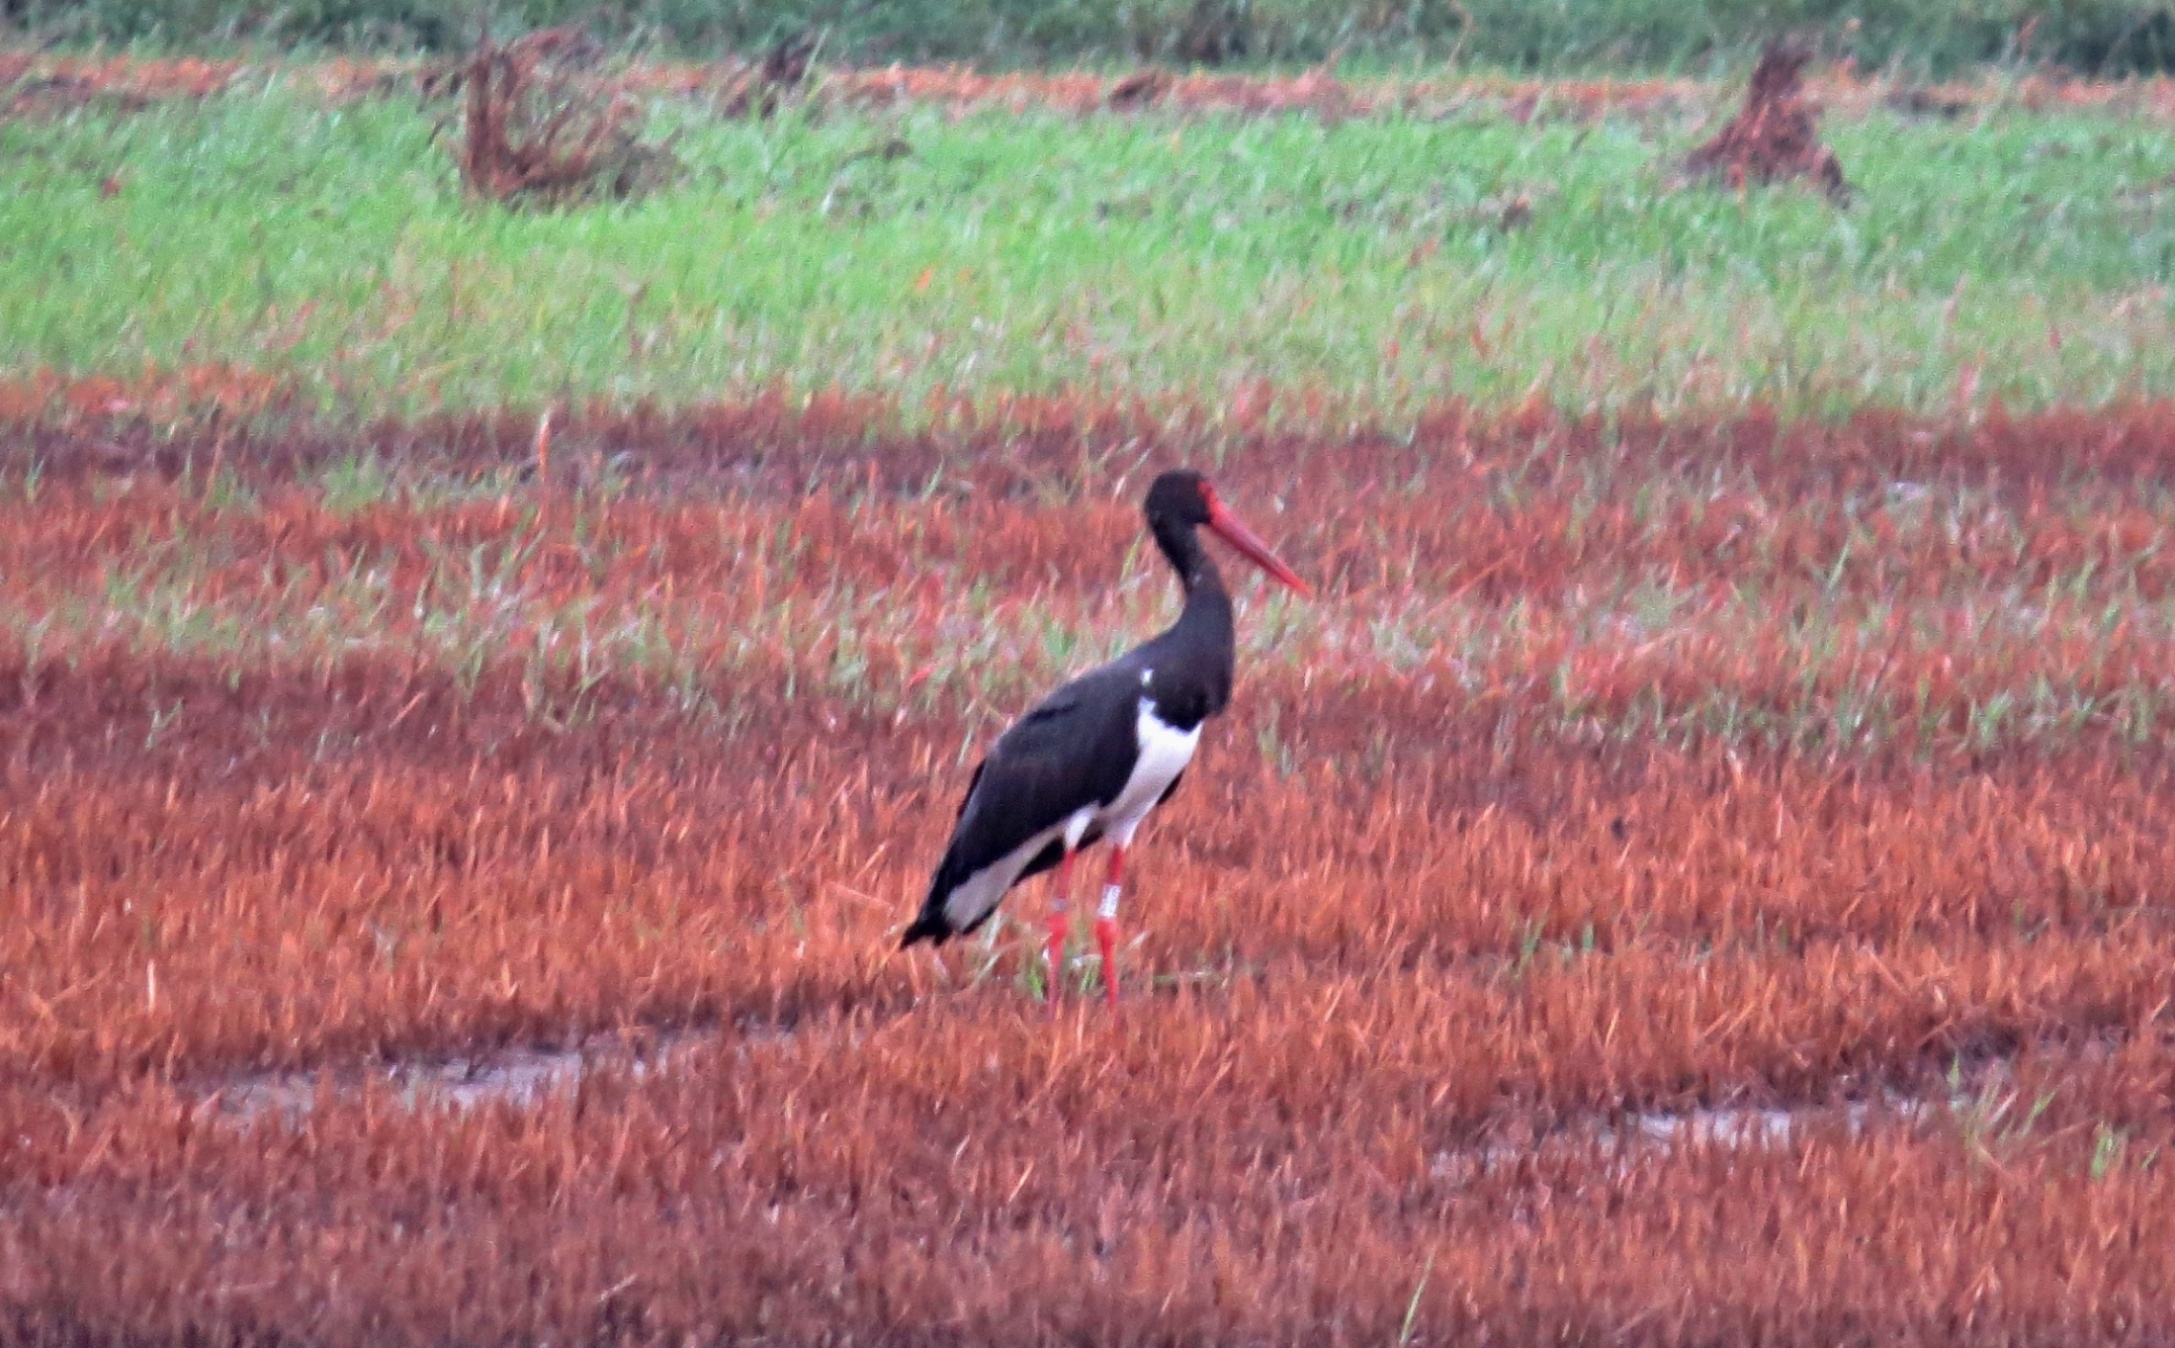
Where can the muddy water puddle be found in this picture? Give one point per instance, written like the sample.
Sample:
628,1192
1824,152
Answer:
524,1078
521,1077
1749,1128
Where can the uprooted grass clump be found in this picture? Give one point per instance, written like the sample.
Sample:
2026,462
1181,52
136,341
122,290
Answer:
758,89
1775,137
537,121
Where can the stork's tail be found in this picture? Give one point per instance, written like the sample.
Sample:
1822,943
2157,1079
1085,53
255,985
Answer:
932,925
926,928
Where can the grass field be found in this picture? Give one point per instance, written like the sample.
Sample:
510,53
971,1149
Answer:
2011,253
1693,872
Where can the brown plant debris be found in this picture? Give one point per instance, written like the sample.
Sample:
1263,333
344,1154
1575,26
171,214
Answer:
760,88
1775,137
1920,102
538,121
1140,89
787,64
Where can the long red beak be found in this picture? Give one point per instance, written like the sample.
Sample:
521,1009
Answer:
1233,530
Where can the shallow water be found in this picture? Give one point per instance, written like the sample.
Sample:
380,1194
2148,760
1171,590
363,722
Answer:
523,1077
519,1076
1729,1127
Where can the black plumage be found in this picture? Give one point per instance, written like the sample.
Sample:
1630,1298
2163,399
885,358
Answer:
1077,750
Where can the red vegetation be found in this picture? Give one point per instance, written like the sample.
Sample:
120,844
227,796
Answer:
1411,939
30,86
157,397
1011,444
40,85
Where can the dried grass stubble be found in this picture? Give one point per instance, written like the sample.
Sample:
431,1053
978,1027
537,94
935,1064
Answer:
1483,536
1839,625
1031,1185
782,442
1424,937
238,895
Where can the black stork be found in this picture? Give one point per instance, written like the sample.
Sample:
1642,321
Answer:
1091,760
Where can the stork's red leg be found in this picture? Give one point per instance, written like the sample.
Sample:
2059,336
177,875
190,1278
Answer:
1060,927
1106,925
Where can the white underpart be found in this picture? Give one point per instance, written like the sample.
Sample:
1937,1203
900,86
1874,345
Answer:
1164,752
971,902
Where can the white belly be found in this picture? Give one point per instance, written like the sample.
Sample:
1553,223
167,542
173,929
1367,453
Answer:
1164,752
972,900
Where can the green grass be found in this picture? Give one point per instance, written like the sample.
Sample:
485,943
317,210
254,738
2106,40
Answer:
1169,258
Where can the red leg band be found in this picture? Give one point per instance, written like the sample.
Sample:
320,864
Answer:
1106,925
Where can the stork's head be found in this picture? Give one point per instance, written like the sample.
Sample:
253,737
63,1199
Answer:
1184,497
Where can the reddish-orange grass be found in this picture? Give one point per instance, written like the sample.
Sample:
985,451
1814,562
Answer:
48,84
294,780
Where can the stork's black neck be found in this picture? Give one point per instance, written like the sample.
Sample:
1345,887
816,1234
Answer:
1181,544
1194,659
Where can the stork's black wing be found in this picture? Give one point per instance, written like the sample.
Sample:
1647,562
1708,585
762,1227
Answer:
1075,748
